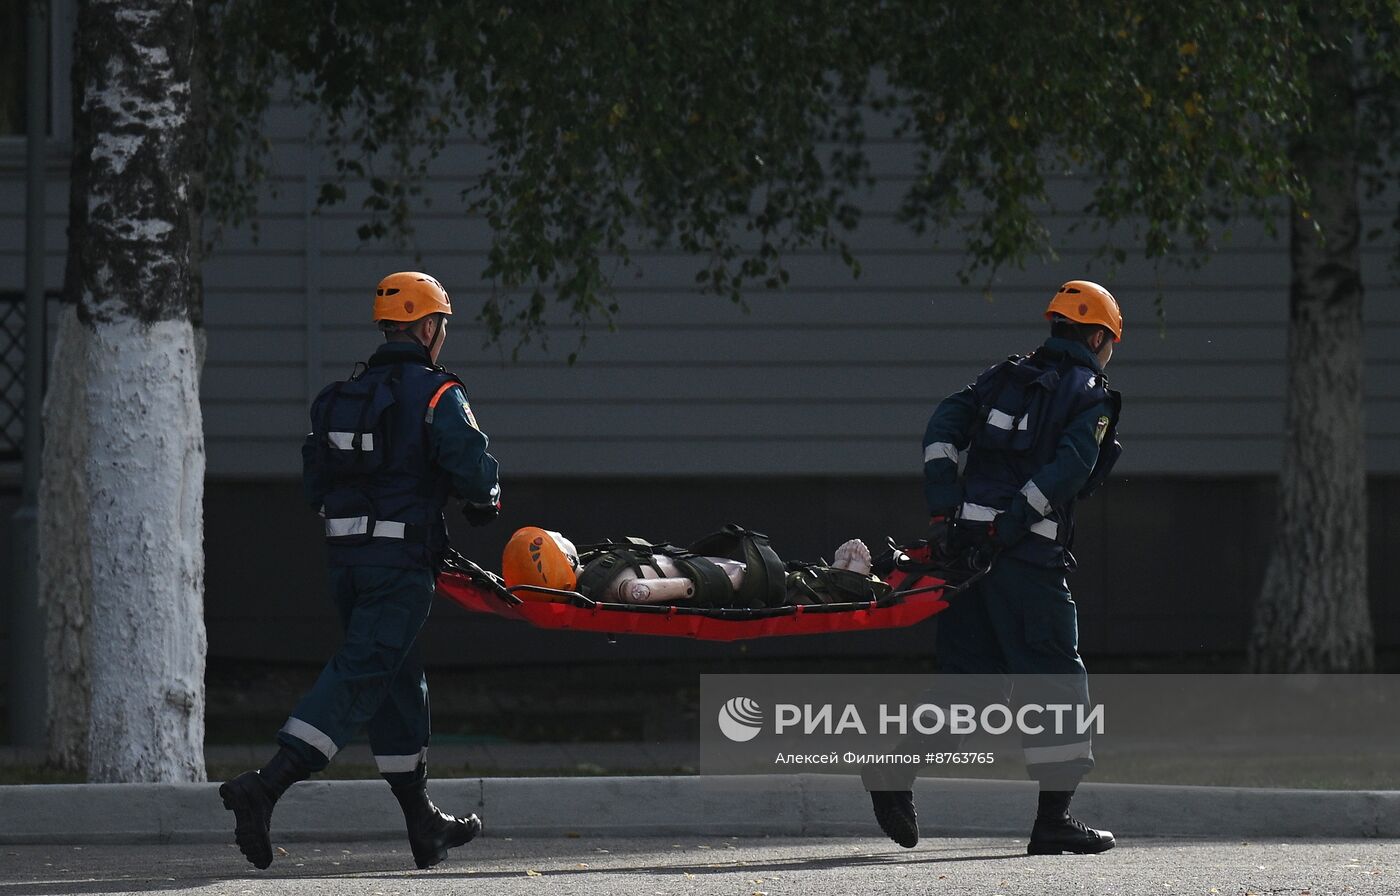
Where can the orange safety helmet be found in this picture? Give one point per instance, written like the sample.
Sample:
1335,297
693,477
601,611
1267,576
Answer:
536,556
408,296
1087,303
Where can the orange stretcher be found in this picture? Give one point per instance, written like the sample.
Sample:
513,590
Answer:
917,595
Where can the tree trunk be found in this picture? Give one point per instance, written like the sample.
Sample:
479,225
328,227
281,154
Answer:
121,565
65,564
1314,612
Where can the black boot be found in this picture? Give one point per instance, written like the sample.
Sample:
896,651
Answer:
1056,831
432,832
251,797
894,810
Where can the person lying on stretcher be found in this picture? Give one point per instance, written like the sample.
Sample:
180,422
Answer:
731,568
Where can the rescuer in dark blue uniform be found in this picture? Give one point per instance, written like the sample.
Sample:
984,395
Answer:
387,450
1005,460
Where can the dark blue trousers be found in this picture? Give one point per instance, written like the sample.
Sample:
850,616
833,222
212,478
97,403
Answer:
1020,620
1013,638
376,678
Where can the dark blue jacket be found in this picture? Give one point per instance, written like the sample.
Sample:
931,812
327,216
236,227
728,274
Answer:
387,449
1018,447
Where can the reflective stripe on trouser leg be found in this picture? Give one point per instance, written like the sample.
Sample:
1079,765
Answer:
1032,627
946,691
400,727
398,764
382,610
312,736
1058,766
1083,749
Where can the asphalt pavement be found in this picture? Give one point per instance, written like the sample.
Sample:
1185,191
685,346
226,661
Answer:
694,866
711,805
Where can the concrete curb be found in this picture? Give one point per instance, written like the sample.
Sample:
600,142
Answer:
781,805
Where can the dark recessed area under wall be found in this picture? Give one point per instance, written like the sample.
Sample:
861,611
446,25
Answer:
247,701
1169,566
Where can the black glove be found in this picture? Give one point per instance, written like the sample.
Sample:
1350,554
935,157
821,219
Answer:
939,529
1012,526
481,514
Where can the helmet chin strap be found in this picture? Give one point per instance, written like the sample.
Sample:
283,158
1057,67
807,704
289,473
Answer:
437,338
426,346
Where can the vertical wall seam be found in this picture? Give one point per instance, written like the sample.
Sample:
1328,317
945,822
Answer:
312,265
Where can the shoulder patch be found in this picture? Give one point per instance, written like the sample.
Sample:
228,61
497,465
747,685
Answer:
1100,428
467,409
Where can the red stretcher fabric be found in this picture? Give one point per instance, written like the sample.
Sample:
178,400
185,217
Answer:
577,613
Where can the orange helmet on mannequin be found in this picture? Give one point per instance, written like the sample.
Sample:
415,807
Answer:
536,556
408,296
1085,302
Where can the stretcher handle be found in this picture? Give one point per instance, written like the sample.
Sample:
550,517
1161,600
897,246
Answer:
948,588
572,597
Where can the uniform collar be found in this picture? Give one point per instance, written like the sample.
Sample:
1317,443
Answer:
1076,350
399,352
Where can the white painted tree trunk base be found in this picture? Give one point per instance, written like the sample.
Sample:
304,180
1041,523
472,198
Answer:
128,471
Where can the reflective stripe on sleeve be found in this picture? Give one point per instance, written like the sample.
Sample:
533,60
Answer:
315,737
1003,420
1036,498
981,513
978,513
941,450
345,440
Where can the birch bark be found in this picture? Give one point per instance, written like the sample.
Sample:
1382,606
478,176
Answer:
121,518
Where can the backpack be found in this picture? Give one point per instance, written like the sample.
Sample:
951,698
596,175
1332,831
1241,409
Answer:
351,423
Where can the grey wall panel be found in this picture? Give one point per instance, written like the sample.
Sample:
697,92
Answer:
834,374
913,270
12,197
940,306
730,420
846,455
659,342
241,457
12,270
445,228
